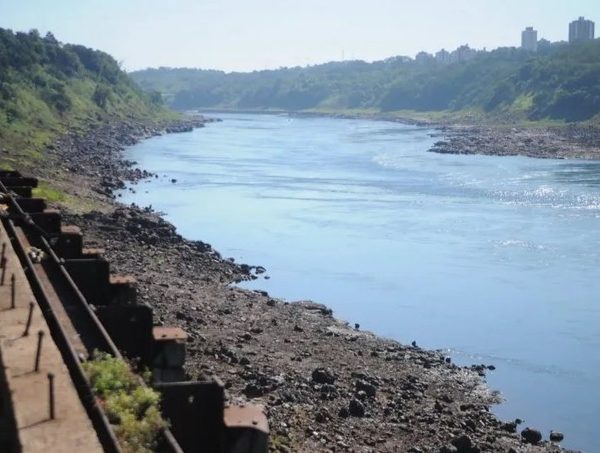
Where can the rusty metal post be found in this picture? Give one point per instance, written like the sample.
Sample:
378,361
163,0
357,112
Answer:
29,317
38,353
12,291
51,394
3,271
3,251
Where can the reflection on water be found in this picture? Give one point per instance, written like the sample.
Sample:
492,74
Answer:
494,259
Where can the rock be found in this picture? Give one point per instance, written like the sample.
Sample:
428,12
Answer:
323,376
470,423
252,390
464,444
344,413
361,395
366,387
448,449
312,306
510,427
356,408
556,436
322,416
531,436
328,392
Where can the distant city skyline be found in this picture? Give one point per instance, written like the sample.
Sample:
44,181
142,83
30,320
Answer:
237,35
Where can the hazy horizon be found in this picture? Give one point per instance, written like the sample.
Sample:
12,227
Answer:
233,35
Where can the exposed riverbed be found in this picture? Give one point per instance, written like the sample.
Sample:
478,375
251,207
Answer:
493,258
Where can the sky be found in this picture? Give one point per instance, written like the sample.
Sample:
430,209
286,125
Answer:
245,35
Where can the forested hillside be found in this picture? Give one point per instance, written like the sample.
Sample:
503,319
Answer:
560,82
47,87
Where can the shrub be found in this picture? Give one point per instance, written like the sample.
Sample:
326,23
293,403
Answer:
131,407
101,96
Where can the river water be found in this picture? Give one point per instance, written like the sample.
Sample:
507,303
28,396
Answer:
493,259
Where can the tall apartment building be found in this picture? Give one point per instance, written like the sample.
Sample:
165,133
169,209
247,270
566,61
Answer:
463,53
581,30
443,56
424,58
529,39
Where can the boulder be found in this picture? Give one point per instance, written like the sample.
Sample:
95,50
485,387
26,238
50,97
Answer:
556,436
356,408
344,413
531,436
463,444
366,387
323,376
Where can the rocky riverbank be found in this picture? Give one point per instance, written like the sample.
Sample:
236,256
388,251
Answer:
326,385
571,142
557,142
89,165
481,137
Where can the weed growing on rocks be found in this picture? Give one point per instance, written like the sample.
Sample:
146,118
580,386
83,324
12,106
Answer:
132,409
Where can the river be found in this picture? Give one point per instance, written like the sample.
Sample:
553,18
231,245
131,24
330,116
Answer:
492,259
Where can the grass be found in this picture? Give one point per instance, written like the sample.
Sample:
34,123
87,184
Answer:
132,408
55,194
278,442
25,136
50,193
28,124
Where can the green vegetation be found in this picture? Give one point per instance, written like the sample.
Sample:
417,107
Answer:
559,83
47,88
45,190
132,408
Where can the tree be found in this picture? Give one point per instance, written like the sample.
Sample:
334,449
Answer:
101,95
156,97
50,39
56,97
